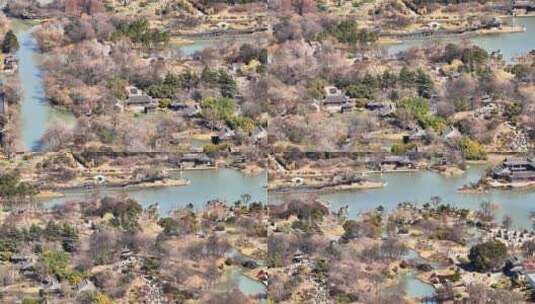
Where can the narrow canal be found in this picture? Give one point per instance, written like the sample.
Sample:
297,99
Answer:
36,113
414,287
245,284
224,184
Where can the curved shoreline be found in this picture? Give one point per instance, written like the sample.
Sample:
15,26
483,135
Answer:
328,188
36,111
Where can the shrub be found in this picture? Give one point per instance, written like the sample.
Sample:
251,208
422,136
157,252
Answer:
164,103
10,43
472,150
488,256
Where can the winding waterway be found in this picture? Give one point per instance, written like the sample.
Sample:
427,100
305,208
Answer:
36,113
224,184
419,187
510,44
414,287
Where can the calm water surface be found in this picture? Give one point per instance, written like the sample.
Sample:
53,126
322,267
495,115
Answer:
36,113
224,184
196,46
510,44
247,286
419,187
416,288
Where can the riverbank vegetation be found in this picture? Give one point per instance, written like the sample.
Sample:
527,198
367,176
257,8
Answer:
309,91
10,43
10,90
51,173
454,93
374,258
12,188
133,90
341,90
93,60
111,249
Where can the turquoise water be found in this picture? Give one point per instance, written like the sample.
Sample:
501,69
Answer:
510,44
246,285
416,288
36,113
200,44
196,46
224,184
235,278
413,286
419,187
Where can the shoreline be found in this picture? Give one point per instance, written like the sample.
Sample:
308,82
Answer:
408,37
48,193
328,188
512,186
251,170
159,183
58,190
21,27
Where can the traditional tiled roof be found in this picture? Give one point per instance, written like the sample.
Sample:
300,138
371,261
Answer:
139,100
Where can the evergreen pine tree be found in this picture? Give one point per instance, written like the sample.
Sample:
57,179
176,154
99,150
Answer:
10,43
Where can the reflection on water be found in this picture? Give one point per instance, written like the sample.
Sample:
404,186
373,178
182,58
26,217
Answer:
247,286
224,184
36,113
413,286
416,288
196,46
419,187
510,44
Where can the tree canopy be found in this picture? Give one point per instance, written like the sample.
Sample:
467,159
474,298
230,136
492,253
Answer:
10,43
11,187
488,256
472,150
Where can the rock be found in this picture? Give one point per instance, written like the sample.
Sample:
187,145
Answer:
424,267
250,264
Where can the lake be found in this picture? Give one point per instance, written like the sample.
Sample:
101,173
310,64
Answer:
419,187
510,44
223,184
